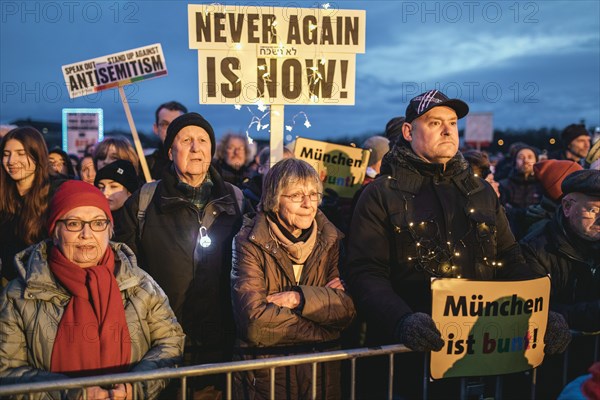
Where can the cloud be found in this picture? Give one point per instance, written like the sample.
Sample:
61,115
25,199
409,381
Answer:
435,55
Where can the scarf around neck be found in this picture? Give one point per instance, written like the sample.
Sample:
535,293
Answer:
92,335
297,251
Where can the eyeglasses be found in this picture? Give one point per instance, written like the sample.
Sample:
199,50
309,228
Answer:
299,197
76,225
164,124
592,212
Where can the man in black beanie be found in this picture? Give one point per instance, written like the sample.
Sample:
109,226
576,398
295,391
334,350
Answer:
184,241
576,142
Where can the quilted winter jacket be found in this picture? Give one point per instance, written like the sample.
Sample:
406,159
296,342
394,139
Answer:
32,306
261,268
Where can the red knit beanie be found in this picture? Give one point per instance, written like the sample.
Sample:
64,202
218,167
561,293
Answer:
73,194
551,173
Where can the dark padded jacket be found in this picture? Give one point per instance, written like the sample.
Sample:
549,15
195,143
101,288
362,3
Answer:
516,194
195,278
574,268
416,221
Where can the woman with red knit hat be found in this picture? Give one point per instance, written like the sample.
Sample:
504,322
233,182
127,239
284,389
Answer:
65,315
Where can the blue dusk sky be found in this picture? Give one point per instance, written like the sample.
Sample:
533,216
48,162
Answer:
531,63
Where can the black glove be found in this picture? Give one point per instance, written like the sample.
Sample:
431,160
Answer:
558,335
418,332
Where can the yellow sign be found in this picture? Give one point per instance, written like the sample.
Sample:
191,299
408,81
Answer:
489,328
341,168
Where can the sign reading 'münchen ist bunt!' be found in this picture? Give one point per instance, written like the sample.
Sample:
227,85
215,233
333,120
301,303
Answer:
341,168
113,70
280,55
489,328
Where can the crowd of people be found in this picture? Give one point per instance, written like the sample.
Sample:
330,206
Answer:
223,256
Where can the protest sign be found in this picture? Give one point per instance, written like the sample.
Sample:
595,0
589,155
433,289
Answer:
81,127
280,55
341,168
489,328
114,70
479,129
117,70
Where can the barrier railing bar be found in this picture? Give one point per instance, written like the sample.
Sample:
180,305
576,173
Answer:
499,385
183,388
391,377
229,386
353,379
463,388
314,381
200,370
533,383
272,387
426,376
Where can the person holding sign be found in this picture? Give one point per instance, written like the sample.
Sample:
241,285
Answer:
287,294
427,216
181,229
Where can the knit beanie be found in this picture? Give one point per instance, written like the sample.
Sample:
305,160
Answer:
550,173
73,194
572,132
121,171
188,119
378,146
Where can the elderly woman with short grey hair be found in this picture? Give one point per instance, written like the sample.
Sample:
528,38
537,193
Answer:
287,294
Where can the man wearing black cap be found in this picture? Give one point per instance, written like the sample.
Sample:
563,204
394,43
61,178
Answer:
568,248
576,141
426,216
185,240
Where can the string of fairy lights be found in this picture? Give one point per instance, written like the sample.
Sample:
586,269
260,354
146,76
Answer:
257,123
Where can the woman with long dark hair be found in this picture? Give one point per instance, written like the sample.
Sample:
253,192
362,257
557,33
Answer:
24,196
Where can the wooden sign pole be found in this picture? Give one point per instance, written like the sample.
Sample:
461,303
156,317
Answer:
136,138
276,145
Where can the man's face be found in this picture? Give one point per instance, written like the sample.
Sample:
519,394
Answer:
434,135
580,146
583,215
524,161
235,153
165,117
191,154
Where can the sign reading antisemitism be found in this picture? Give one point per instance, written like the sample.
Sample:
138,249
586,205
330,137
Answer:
280,55
114,70
489,328
341,168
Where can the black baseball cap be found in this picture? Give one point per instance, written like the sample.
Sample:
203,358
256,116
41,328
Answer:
424,102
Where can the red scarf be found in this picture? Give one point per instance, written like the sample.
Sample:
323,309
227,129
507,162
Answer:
92,336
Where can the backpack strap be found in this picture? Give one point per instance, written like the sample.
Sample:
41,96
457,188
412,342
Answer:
238,195
146,194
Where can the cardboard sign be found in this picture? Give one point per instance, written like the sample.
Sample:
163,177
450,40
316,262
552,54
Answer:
280,55
81,127
341,168
114,70
489,328
479,128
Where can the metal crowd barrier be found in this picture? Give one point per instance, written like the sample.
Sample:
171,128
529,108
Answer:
229,368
